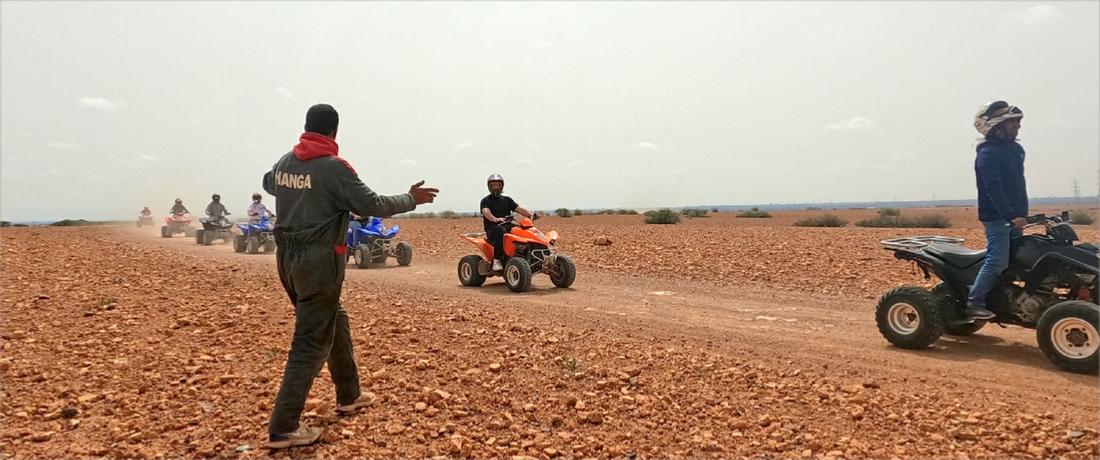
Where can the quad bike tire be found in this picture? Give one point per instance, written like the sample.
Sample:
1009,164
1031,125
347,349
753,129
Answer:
565,272
404,253
468,272
239,243
164,232
909,317
198,236
517,274
1067,335
953,318
269,245
252,245
207,237
362,256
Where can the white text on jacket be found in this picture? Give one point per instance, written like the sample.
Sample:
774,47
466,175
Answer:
298,181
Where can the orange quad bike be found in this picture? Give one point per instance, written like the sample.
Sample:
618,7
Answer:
527,251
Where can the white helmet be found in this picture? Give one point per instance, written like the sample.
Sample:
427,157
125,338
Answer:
495,178
993,113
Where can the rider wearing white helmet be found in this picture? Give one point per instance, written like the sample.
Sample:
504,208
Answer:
1002,196
495,209
256,210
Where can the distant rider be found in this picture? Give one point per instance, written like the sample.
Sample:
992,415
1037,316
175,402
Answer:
179,207
145,212
216,210
256,210
495,209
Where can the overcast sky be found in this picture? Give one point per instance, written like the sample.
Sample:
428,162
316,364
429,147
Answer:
108,107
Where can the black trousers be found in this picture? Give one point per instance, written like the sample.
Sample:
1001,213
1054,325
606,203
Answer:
496,236
313,277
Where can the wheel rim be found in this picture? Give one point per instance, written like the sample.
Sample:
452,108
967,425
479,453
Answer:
358,256
467,271
903,318
1074,338
513,274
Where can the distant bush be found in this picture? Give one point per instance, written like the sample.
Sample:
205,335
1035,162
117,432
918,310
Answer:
4,223
694,212
417,215
1080,218
715,210
563,212
578,212
755,213
828,220
448,214
605,212
889,212
925,221
813,208
71,223
663,216
627,211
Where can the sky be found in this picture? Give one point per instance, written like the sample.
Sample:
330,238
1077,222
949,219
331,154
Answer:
108,107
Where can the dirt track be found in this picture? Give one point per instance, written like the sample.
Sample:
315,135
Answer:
119,343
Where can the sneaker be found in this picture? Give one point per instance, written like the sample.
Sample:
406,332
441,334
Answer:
364,400
497,266
975,311
303,436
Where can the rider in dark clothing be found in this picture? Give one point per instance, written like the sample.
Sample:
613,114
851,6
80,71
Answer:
179,207
216,209
146,212
495,210
315,193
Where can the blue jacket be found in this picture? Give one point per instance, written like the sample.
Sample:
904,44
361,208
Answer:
1002,191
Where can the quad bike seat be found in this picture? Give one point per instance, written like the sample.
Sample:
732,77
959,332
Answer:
959,256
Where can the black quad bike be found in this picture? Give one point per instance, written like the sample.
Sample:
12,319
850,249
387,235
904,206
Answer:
1050,285
214,228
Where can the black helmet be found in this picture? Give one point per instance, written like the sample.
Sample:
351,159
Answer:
216,197
495,178
178,201
256,196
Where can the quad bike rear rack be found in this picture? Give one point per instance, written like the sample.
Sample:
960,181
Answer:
914,242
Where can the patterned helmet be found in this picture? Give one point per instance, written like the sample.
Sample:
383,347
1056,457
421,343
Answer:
495,178
993,113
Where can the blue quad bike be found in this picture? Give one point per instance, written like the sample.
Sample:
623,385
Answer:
214,228
1052,285
255,236
374,243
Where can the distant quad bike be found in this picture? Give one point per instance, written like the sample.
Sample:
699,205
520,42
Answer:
373,243
527,251
1050,285
144,220
255,236
214,228
177,223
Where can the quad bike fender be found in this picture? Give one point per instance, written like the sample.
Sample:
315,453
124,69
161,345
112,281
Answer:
553,236
1053,263
485,247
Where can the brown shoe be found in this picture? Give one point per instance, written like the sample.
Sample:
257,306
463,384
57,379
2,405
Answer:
303,436
364,400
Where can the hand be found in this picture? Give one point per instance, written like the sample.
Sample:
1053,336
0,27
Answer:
1019,222
535,216
422,195
500,219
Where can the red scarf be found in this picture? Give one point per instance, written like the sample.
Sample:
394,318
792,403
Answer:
314,145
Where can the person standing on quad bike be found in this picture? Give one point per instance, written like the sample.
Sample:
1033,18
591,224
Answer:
315,193
1002,196
216,210
179,207
495,209
256,210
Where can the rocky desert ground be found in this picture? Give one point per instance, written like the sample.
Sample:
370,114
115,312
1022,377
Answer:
718,337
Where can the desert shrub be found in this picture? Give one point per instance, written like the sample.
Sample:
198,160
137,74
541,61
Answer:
715,210
4,223
563,212
694,212
932,221
1080,218
662,216
71,223
889,212
627,211
754,213
828,220
418,215
578,212
812,208
925,221
448,214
